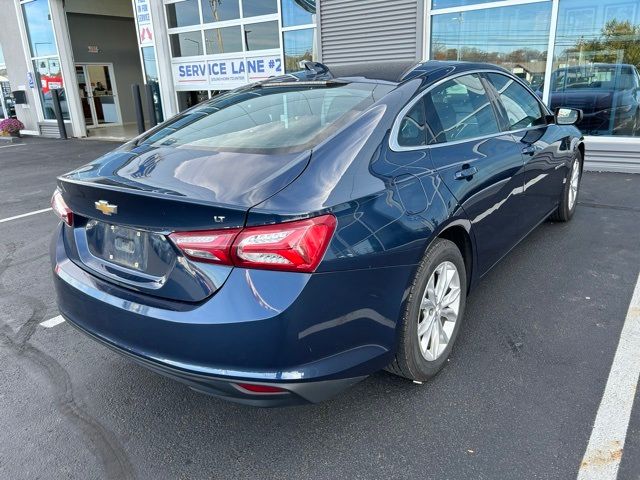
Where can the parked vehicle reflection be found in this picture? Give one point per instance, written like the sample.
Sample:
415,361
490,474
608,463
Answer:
607,93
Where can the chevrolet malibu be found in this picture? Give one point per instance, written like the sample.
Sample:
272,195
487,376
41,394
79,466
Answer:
282,241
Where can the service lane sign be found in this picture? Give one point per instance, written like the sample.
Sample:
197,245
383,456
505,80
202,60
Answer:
226,73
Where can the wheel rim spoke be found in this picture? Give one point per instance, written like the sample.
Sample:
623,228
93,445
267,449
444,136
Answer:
449,315
435,339
431,291
426,325
441,282
574,183
427,304
452,296
444,338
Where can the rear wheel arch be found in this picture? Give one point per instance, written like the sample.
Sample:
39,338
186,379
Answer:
458,234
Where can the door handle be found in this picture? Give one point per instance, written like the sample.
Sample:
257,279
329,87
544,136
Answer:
466,173
529,150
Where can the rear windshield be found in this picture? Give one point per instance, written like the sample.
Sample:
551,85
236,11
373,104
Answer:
268,119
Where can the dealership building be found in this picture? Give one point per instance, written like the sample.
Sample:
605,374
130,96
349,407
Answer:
579,53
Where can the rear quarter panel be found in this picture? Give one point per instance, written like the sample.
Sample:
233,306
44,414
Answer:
388,204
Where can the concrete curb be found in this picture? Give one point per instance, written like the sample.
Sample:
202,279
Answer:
9,139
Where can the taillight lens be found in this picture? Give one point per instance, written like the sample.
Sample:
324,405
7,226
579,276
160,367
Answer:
291,246
60,208
210,246
294,246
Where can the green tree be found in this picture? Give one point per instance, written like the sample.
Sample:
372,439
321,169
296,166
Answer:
616,37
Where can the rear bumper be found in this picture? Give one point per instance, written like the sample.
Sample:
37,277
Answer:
313,335
297,392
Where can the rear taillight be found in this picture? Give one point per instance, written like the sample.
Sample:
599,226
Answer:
209,246
295,246
60,208
291,246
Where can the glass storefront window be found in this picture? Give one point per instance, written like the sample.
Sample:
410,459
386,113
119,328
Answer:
261,36
515,37
298,12
186,44
246,38
223,40
253,8
183,14
298,45
48,78
219,10
595,65
151,77
39,28
5,90
191,98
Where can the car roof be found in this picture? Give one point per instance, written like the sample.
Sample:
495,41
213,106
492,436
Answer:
396,71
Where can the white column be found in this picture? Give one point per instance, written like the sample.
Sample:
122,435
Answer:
163,57
423,31
546,91
67,67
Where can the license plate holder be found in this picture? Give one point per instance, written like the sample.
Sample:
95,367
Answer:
123,246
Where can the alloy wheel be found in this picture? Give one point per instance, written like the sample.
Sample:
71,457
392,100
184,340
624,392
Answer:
439,311
574,184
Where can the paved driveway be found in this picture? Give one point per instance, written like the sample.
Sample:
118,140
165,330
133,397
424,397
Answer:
517,400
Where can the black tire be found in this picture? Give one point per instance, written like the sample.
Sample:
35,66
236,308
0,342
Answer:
566,211
409,361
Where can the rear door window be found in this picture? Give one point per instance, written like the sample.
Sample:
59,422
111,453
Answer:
521,106
460,109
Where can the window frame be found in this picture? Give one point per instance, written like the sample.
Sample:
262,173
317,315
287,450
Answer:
491,92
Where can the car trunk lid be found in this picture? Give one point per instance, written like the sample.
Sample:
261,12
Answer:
126,203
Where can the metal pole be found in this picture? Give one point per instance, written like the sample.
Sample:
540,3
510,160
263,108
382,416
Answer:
137,101
151,106
57,110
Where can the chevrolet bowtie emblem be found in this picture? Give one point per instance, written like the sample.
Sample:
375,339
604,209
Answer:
105,207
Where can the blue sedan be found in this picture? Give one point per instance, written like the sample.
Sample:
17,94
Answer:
282,241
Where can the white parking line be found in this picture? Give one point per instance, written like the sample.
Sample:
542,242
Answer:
13,145
52,322
604,452
35,212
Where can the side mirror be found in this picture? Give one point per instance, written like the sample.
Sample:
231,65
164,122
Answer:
567,116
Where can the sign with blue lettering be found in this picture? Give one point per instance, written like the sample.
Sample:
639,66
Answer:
223,74
30,81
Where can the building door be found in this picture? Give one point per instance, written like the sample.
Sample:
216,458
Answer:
98,94
6,105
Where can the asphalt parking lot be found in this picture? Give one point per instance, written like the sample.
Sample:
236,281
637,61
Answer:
517,400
